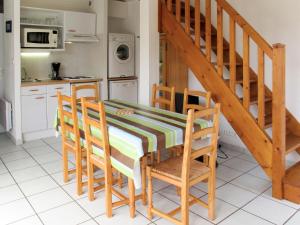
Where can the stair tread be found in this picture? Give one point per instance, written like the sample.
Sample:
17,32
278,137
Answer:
292,175
240,81
292,143
253,99
228,63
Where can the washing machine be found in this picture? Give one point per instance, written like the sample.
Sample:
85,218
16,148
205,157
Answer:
121,55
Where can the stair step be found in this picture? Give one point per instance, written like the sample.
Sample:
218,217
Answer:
253,99
215,47
239,81
292,143
227,64
291,184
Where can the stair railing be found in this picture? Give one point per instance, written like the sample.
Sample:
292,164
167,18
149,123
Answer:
275,53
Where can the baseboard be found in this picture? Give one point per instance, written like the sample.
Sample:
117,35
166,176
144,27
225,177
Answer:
234,147
38,135
13,139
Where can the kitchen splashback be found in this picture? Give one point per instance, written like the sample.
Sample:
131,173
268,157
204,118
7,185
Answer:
78,59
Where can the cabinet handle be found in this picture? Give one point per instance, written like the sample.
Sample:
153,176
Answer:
33,90
39,97
53,96
59,88
72,30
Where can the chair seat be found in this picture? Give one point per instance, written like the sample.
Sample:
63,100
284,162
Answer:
172,168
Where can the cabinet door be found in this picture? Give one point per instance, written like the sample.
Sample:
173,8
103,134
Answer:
80,23
52,104
34,115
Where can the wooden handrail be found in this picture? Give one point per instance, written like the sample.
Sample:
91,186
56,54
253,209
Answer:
256,37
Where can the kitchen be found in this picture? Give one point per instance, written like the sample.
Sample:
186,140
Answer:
63,45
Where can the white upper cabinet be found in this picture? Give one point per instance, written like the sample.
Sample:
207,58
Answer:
80,23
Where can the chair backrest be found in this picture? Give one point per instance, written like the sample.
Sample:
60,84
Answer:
196,107
91,124
68,118
93,87
167,99
192,133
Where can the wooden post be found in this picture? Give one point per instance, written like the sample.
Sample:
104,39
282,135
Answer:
187,17
197,23
208,29
232,55
278,120
261,88
220,52
246,71
178,11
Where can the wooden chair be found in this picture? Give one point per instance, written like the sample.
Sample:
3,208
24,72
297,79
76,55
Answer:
103,163
167,99
94,87
184,171
71,140
196,107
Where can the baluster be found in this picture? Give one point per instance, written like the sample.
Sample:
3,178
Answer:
197,23
178,10
278,119
187,16
232,55
208,29
246,71
169,5
261,88
220,57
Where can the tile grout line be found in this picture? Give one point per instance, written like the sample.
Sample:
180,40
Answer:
25,197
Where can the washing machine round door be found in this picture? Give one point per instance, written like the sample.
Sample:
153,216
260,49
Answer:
122,53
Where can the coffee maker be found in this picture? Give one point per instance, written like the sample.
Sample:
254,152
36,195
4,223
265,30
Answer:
55,71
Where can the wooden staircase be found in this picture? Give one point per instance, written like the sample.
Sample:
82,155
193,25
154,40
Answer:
190,28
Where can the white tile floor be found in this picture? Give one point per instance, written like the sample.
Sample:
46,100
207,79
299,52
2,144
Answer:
32,193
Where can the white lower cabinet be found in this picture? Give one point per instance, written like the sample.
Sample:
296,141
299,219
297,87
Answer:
39,110
34,115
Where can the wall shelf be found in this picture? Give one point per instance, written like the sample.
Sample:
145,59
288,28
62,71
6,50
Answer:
39,25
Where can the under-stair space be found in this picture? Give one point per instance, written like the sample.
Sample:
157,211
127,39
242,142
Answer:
255,110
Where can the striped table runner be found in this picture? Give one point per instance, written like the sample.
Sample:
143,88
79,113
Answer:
133,136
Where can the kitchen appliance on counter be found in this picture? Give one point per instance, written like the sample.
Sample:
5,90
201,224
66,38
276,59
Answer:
39,38
55,71
126,90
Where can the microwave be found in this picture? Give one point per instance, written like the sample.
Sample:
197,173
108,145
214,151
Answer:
39,38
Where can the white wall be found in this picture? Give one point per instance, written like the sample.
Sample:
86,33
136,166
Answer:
149,54
12,75
1,61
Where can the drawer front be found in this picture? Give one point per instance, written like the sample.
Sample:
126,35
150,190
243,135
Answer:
33,90
53,89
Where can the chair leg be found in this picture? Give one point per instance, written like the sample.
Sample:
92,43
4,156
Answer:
65,164
120,180
150,204
90,172
184,205
108,191
211,197
144,192
152,158
131,190
79,172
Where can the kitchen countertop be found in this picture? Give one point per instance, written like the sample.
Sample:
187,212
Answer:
122,78
52,82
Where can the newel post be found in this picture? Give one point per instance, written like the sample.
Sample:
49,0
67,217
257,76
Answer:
278,120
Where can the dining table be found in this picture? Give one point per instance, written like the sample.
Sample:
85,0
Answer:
132,136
